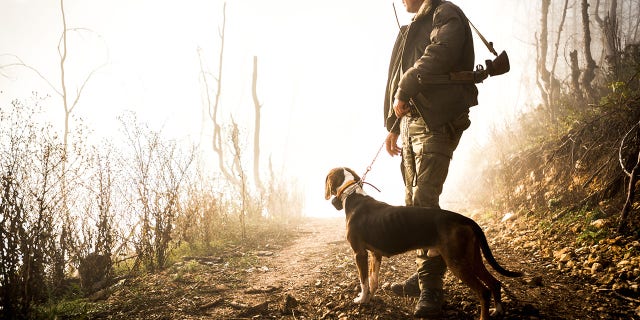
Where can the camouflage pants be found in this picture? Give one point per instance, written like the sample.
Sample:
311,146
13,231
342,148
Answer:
426,155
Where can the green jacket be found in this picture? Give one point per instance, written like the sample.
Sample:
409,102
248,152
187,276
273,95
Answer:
436,42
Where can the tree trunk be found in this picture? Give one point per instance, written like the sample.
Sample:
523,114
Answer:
256,133
624,214
214,105
610,38
589,73
633,179
575,75
543,47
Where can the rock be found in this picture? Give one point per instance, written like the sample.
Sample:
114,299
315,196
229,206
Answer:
600,223
620,286
255,310
535,282
507,216
607,279
595,267
563,254
264,253
623,263
289,303
257,290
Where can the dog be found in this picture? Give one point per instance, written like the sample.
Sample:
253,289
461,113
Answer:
385,230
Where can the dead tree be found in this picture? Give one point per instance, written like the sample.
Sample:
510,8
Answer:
553,82
589,72
610,30
547,83
69,103
256,133
237,165
633,179
213,104
575,75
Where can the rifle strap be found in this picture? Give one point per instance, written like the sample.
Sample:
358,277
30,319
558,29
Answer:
484,40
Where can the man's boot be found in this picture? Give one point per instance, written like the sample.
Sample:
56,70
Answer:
430,303
430,277
408,287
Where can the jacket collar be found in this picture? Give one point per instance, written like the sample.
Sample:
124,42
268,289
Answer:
426,9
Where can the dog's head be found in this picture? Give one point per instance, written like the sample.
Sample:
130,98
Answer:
335,181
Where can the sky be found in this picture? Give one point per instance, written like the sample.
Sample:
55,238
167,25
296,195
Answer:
321,74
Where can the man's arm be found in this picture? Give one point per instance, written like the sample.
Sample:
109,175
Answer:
447,42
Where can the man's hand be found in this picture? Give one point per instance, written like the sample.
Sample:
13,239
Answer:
392,144
400,107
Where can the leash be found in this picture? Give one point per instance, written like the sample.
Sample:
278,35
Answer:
361,182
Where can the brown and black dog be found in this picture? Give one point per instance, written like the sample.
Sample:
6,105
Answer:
385,230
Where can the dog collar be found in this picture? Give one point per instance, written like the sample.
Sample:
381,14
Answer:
344,188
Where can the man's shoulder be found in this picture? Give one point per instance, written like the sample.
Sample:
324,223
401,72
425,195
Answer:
447,9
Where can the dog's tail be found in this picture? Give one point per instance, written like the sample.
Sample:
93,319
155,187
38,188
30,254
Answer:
484,245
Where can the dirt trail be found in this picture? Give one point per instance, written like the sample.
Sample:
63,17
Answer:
314,277
318,271
303,262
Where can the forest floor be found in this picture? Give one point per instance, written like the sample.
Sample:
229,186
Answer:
313,276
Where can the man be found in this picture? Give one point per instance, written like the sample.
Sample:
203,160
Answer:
438,41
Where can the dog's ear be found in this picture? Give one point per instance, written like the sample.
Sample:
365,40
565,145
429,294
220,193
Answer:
329,187
353,173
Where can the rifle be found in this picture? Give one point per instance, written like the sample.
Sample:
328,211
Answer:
499,65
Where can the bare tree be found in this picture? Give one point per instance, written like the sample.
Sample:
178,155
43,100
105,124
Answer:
546,81
33,260
589,73
256,133
633,177
237,166
159,170
611,39
69,101
575,75
213,104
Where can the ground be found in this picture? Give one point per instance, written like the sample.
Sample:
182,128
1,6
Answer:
314,276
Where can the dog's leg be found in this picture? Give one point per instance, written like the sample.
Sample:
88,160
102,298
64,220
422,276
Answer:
461,259
484,294
362,264
490,281
374,272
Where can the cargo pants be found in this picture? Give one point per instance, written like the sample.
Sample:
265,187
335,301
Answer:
426,155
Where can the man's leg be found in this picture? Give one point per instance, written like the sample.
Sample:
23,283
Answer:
431,152
432,172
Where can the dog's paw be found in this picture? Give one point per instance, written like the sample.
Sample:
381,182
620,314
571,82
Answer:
362,298
498,311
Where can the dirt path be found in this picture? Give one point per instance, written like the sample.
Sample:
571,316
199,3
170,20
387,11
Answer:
303,262
314,277
317,270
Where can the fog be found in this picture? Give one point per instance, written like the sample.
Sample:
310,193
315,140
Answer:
321,75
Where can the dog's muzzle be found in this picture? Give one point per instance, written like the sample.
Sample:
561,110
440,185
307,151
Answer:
337,203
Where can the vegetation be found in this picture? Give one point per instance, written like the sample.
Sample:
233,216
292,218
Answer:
576,150
134,211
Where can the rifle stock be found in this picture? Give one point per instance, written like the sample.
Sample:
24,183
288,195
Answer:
499,65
